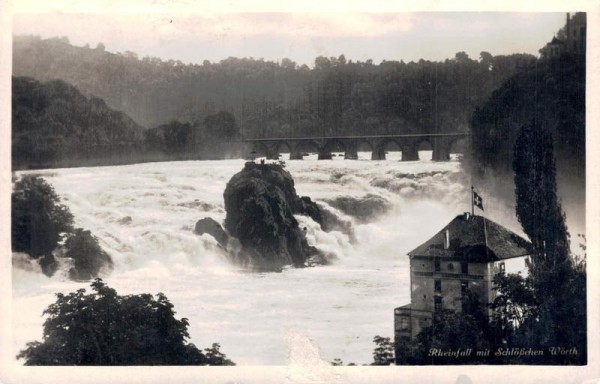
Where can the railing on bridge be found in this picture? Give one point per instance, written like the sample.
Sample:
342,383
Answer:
440,143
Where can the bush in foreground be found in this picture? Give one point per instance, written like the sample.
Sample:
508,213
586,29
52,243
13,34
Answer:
104,328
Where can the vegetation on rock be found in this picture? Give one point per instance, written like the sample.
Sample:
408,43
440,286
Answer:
87,255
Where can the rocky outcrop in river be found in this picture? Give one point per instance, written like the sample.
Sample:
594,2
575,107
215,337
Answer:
261,201
210,226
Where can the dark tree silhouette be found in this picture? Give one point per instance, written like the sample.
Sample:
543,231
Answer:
87,255
537,205
384,351
221,125
103,328
558,283
38,220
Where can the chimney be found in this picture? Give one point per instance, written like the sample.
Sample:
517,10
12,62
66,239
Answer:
446,239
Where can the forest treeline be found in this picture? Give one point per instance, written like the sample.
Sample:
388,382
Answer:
551,94
53,122
193,111
267,98
55,125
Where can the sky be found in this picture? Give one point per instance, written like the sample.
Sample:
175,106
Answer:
193,37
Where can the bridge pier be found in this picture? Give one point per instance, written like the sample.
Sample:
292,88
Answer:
378,154
410,153
440,154
441,151
351,152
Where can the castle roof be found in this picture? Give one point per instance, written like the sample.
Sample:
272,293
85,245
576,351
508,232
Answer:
475,239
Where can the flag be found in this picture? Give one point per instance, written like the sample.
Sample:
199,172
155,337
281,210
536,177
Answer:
477,201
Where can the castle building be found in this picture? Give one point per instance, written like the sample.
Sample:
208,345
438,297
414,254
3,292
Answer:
553,49
573,41
576,30
466,254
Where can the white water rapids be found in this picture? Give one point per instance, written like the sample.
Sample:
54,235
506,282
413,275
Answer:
340,307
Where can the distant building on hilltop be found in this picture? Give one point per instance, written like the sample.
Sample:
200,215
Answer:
571,38
466,254
553,49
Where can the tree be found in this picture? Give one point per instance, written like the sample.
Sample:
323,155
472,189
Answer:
384,351
214,356
103,328
513,305
486,59
38,218
54,124
451,330
556,281
87,255
537,205
40,222
178,137
461,57
221,126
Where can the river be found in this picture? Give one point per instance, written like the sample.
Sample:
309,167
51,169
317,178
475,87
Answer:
254,316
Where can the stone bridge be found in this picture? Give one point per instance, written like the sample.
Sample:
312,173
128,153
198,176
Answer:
442,145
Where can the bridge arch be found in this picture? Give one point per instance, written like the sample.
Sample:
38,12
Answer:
458,146
260,149
332,145
281,147
361,146
390,145
425,148
303,148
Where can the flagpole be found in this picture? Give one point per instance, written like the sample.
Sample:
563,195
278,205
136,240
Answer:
485,237
472,202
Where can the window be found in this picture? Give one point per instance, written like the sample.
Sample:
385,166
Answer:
464,267
438,285
404,324
450,267
502,267
436,263
437,303
464,285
